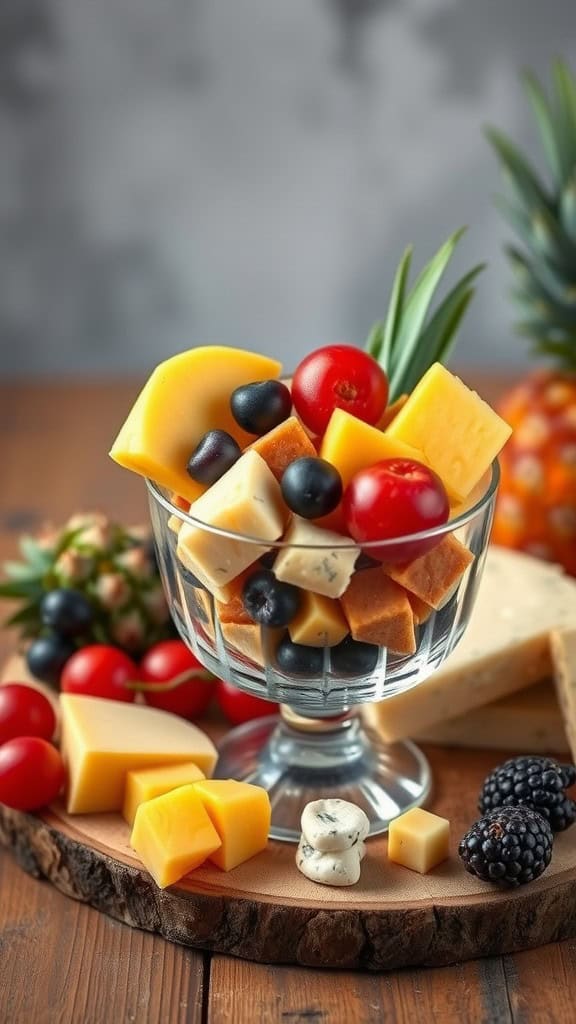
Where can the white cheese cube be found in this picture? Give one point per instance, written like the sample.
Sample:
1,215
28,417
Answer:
323,567
334,825
246,500
329,868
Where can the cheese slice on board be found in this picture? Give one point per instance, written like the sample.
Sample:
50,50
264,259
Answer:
505,648
526,721
563,644
102,740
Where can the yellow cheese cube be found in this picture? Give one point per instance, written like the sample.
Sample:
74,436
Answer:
186,396
351,445
150,782
246,500
458,434
240,813
319,622
173,834
419,840
102,740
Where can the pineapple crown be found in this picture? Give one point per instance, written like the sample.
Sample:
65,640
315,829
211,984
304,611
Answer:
410,339
542,212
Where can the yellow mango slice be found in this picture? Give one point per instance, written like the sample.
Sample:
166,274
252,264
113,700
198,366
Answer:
184,397
351,445
240,813
457,432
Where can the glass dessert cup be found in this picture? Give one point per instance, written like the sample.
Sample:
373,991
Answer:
318,746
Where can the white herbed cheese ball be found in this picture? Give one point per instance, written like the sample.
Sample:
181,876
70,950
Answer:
333,825
330,868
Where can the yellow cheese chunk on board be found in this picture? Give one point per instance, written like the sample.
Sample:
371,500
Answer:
351,445
245,500
102,740
173,834
419,840
458,433
148,783
184,397
319,622
240,813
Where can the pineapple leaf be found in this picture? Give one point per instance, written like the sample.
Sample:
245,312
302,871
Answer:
538,279
524,180
374,340
568,209
414,314
565,94
552,140
395,307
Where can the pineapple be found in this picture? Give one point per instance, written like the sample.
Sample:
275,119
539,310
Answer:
112,566
536,509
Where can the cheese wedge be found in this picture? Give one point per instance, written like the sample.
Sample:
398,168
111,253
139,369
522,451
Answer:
563,644
184,397
505,648
351,445
102,740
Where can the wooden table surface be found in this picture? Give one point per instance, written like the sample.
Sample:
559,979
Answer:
61,961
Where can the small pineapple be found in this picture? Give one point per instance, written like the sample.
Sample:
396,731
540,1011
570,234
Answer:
536,508
110,567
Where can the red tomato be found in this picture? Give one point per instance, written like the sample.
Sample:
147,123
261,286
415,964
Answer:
25,711
338,377
395,498
31,773
239,707
100,671
163,663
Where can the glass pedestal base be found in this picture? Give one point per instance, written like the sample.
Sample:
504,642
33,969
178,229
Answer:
337,758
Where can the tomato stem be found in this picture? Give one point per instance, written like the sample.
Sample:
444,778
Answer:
171,684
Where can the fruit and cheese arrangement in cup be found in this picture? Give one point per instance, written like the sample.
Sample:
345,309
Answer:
310,533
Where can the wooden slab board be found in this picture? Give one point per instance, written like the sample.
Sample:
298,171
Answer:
265,910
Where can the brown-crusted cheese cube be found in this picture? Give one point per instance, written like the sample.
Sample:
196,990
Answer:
255,642
319,622
420,610
378,611
282,445
233,610
433,576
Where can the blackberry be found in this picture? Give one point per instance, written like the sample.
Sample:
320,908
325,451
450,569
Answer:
536,782
510,846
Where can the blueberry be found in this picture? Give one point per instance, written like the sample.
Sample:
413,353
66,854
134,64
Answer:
298,659
268,601
353,658
260,407
215,453
311,487
66,611
47,656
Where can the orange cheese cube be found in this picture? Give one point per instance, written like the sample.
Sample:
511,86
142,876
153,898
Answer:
240,813
173,834
233,610
420,610
282,445
419,840
319,622
433,576
457,433
150,782
378,611
351,445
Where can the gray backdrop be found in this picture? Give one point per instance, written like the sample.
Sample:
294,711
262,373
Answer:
247,172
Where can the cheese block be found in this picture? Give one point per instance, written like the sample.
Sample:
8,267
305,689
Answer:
351,445
184,397
435,575
173,834
240,813
458,433
282,445
333,825
342,868
324,566
419,840
526,721
563,645
245,500
148,783
378,611
505,648
319,622
102,740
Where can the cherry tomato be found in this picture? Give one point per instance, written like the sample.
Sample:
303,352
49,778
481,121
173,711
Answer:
239,707
100,670
25,711
31,773
161,664
395,498
338,377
